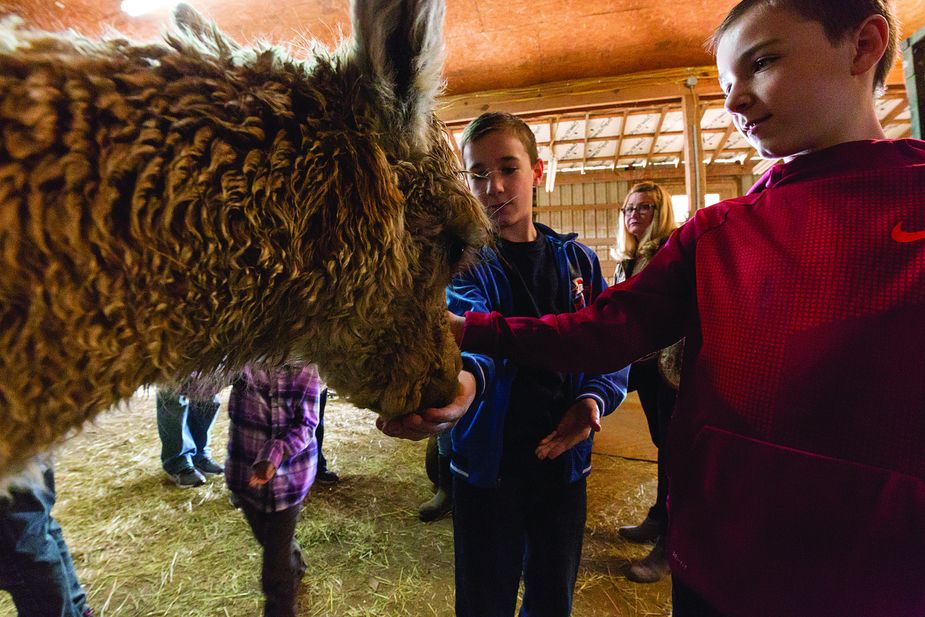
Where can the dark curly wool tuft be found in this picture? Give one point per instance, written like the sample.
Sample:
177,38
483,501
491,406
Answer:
194,205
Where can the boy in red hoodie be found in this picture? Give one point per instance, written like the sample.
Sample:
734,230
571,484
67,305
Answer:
797,479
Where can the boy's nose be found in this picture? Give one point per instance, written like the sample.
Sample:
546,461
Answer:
495,184
737,100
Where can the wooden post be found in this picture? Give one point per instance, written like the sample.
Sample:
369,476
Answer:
913,50
695,173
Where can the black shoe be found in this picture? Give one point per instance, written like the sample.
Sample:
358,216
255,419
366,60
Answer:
208,467
439,506
646,531
441,503
326,476
188,478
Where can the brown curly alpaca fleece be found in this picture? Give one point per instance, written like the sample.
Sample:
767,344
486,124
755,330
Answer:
195,205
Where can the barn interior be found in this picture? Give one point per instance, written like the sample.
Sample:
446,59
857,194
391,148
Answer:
615,93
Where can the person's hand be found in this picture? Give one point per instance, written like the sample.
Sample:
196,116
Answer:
576,425
457,325
261,474
433,420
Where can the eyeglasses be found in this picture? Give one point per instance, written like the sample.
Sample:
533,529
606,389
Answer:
485,176
641,209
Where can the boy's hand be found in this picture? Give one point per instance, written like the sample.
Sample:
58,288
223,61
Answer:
457,325
261,474
433,420
577,423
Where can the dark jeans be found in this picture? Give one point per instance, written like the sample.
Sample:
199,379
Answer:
183,426
686,603
524,527
658,399
35,564
283,566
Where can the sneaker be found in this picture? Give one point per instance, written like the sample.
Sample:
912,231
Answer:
209,467
188,478
646,531
326,476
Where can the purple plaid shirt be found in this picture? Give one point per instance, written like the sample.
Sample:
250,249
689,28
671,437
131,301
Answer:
273,418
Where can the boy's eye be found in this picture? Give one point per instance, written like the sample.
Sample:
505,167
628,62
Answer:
508,171
762,63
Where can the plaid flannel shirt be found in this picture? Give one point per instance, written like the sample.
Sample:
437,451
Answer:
273,418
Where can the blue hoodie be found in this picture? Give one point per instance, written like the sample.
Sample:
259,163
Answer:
478,437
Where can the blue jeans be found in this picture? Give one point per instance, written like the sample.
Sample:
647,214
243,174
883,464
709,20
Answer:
184,426
35,564
444,443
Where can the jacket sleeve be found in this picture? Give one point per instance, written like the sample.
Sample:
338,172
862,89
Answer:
649,311
608,389
464,294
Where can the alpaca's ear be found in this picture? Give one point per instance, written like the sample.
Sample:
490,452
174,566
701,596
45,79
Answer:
399,45
198,28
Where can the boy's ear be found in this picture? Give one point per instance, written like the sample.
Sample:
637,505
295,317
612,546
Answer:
870,43
537,172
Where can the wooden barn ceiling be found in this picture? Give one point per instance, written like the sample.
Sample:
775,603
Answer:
650,136
492,44
602,83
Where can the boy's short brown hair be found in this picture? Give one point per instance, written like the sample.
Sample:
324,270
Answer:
501,121
838,18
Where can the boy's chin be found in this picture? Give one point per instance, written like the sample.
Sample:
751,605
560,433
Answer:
775,150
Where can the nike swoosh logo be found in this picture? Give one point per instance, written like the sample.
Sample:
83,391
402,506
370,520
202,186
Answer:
907,236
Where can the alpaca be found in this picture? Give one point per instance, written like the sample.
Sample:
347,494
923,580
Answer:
193,205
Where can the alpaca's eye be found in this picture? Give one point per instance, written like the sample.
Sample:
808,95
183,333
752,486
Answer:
455,249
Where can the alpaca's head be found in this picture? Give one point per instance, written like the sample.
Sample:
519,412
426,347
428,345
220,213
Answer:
389,219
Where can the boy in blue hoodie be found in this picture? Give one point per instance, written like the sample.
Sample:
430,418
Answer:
517,512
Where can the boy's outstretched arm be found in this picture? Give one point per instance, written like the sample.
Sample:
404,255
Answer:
417,426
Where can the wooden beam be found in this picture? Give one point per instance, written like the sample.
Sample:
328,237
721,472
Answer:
679,154
579,95
594,140
694,169
584,150
658,130
616,152
899,108
715,172
722,142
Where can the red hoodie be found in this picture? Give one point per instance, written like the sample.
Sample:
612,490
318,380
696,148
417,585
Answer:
798,445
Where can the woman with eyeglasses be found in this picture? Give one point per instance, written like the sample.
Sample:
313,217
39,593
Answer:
646,221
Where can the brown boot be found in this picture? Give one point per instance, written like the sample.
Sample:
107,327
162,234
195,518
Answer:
651,568
646,531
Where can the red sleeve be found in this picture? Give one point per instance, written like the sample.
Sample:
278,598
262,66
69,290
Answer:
644,314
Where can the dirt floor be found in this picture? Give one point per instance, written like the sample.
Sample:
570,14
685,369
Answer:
144,547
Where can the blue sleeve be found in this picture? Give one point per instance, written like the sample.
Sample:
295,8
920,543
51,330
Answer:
609,390
466,293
